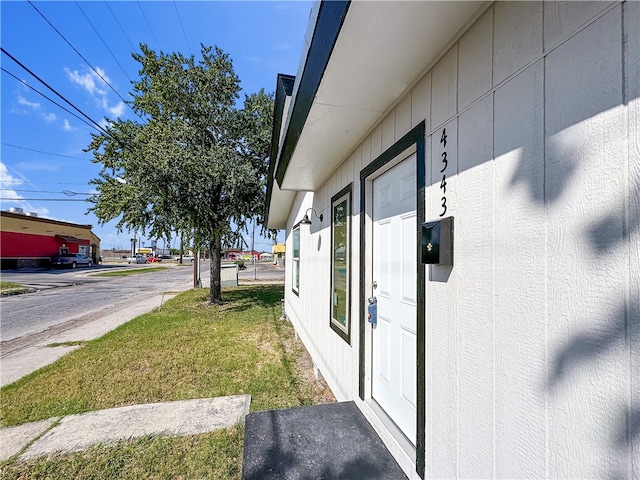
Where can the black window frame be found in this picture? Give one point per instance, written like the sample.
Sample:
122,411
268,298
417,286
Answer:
343,195
295,261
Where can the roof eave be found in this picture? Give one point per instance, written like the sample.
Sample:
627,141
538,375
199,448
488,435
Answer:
363,57
284,90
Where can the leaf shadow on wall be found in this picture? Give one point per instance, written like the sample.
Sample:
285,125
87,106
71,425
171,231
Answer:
594,348
607,236
549,175
582,130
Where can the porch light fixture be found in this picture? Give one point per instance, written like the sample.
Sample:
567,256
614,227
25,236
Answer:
305,220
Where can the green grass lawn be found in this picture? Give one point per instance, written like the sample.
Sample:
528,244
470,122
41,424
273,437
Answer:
9,285
12,288
190,349
125,273
214,455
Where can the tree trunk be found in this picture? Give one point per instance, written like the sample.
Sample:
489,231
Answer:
215,251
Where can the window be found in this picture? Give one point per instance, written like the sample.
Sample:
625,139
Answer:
340,263
296,259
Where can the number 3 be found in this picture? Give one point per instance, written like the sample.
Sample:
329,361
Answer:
444,206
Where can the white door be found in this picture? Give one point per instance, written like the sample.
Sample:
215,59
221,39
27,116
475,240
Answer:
394,369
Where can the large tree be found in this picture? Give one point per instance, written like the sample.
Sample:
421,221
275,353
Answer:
192,163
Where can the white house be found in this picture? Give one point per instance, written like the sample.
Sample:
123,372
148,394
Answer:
516,125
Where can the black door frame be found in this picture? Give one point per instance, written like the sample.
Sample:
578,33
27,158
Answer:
414,137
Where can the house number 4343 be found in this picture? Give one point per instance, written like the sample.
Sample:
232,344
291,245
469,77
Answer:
443,171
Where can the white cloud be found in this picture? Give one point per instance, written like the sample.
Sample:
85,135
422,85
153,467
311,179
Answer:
118,110
103,74
67,126
96,84
32,107
8,183
38,166
89,81
41,211
27,103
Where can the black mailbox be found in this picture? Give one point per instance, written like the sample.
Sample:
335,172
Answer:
437,242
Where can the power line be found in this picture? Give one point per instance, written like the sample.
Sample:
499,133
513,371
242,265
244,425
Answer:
20,182
133,49
65,192
95,125
149,25
46,153
44,199
79,54
103,42
182,27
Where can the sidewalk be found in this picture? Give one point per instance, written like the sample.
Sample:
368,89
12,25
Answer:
78,432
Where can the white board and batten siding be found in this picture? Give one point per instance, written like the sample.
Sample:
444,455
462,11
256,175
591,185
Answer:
533,336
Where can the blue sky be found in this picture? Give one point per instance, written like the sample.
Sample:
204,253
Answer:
43,168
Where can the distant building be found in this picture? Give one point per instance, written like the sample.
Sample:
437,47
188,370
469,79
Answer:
27,240
278,251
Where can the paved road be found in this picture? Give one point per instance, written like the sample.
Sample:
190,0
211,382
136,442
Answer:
67,296
264,272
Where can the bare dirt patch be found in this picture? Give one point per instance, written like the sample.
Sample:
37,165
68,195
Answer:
320,391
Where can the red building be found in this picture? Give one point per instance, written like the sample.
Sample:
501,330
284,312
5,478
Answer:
27,240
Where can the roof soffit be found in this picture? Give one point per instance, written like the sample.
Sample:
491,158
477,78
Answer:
381,49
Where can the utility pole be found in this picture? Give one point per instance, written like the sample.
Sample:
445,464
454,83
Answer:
197,281
253,258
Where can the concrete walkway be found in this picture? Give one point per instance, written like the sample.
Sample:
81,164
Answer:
78,432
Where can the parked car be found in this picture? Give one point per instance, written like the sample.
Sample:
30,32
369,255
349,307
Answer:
152,259
137,259
71,260
185,258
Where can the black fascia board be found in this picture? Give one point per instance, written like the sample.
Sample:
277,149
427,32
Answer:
284,89
331,16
